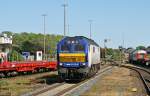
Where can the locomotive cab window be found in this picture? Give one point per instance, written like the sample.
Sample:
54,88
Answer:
64,48
79,47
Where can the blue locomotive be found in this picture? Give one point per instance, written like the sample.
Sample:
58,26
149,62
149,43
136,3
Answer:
78,57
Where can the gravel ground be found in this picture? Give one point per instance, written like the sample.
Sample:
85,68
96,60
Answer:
17,86
121,82
89,83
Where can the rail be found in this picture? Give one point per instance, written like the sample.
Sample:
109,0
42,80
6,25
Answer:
65,87
138,70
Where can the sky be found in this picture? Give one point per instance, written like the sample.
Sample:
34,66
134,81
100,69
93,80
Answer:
119,21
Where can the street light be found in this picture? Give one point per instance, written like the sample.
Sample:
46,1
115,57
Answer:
65,20
44,15
90,21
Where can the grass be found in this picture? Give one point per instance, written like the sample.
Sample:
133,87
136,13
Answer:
15,87
20,85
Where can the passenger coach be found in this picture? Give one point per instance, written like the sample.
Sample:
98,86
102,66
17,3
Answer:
78,57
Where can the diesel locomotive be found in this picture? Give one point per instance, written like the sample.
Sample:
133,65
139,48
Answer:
78,57
139,57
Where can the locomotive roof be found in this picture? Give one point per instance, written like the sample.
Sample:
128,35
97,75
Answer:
82,37
140,51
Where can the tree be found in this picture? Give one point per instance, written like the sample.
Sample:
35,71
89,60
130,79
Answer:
9,33
33,42
14,56
140,48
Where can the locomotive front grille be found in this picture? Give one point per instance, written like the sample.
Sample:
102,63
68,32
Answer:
72,57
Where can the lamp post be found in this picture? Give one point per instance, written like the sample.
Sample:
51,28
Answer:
65,17
90,22
44,17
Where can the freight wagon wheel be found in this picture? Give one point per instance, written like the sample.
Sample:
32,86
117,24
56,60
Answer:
14,73
8,74
35,71
2,75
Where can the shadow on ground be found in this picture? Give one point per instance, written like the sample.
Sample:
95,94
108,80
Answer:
48,79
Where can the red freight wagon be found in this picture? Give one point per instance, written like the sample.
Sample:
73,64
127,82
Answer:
13,68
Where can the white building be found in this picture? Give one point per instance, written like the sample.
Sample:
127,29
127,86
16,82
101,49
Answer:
5,44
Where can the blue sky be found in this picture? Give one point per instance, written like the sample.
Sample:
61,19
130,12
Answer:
112,19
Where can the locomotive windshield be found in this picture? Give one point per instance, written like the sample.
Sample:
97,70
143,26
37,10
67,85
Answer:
72,45
79,48
65,48
72,48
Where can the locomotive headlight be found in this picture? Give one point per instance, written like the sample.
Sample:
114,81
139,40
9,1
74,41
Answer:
60,64
83,64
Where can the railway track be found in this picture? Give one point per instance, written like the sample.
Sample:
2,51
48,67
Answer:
144,74
70,87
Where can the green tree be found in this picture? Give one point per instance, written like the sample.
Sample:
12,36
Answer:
15,56
32,42
140,48
9,33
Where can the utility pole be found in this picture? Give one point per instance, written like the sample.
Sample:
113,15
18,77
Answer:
90,21
44,17
65,19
